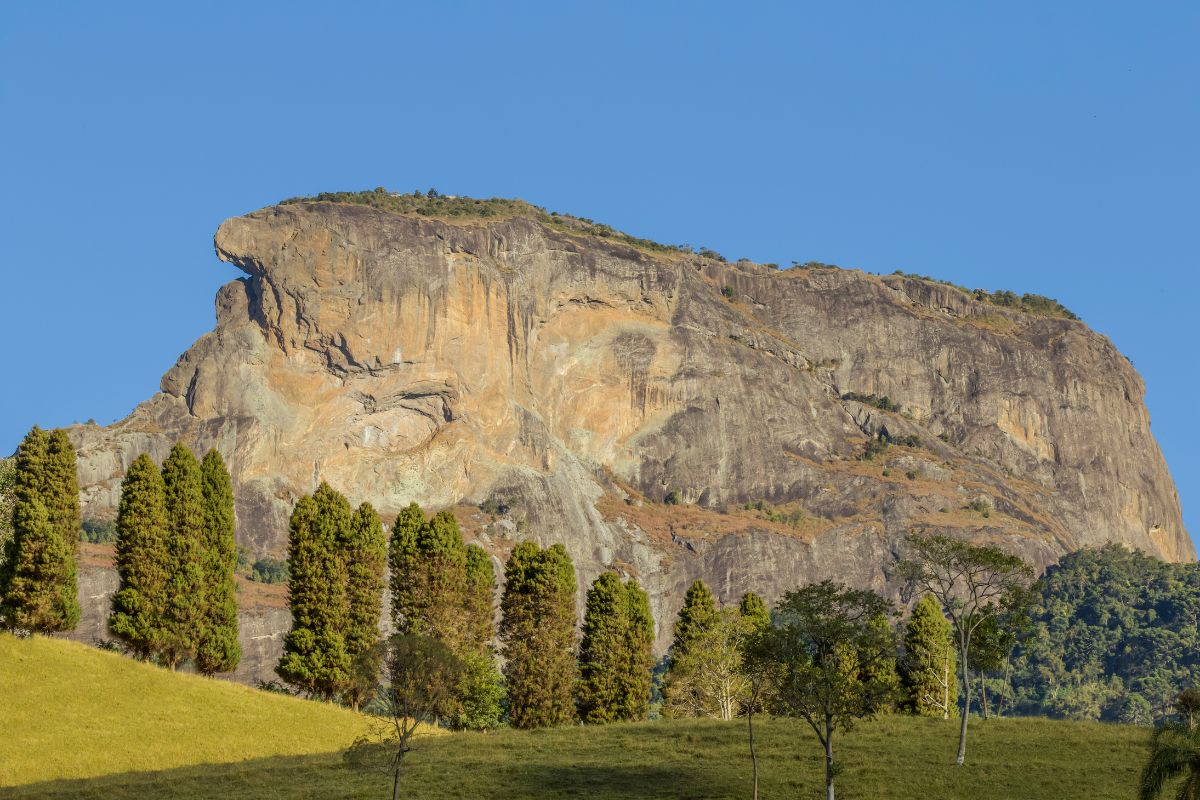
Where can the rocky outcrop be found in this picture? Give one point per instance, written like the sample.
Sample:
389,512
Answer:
630,404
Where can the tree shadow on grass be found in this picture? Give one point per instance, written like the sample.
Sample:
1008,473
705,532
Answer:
326,775
279,776
613,782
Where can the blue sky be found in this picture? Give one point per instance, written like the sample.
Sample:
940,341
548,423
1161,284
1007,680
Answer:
1039,147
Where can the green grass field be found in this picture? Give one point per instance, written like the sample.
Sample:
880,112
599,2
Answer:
82,723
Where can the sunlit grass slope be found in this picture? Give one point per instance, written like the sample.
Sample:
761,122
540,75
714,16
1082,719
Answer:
138,719
72,711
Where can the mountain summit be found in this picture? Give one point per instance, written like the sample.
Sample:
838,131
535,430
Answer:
656,410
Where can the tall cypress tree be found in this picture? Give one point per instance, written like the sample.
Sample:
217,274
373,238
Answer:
697,617
442,578
39,576
29,467
637,681
603,651
481,690
615,655
404,560
442,588
538,635
881,674
697,620
927,670
754,609
479,599
365,554
143,560
62,490
184,617
8,477
314,653
218,649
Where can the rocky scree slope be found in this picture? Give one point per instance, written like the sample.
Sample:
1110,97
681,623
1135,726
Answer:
631,403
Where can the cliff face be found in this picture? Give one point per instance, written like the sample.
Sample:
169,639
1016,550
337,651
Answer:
577,383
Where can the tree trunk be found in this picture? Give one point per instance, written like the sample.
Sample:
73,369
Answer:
753,757
946,677
828,760
965,707
983,693
398,766
1007,686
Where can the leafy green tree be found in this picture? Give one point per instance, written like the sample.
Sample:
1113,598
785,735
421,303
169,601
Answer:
1187,706
1135,710
315,657
708,679
479,696
419,676
927,670
972,583
185,615
603,657
993,641
764,675
267,569
1174,754
753,608
39,584
825,645
218,649
144,561
537,632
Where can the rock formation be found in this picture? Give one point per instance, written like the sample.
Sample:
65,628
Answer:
664,413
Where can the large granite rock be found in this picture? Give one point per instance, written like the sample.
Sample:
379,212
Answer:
578,383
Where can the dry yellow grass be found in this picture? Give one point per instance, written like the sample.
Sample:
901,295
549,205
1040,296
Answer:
68,710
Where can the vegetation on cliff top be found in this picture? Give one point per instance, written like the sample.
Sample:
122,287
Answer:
436,205
1035,304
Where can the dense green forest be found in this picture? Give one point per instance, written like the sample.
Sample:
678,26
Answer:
1114,635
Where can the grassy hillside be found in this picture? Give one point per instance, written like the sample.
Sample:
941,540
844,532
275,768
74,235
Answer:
71,711
83,723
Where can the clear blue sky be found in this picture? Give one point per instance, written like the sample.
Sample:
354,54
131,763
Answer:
1041,147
